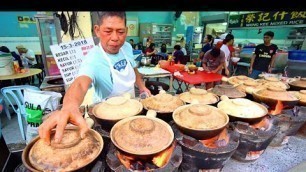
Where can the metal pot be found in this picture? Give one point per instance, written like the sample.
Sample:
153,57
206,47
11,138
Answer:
242,109
298,85
37,156
114,109
142,136
200,121
146,61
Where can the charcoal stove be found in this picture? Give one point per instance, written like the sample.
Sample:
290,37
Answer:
289,121
118,161
197,157
255,138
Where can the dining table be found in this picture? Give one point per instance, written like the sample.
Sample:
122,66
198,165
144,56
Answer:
31,72
188,79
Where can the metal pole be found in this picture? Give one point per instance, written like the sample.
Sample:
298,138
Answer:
43,54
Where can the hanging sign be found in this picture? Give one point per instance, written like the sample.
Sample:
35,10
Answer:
69,55
266,19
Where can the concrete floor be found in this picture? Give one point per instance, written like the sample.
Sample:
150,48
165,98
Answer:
274,159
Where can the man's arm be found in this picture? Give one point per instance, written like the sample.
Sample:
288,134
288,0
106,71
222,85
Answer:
272,63
251,64
139,82
219,67
69,112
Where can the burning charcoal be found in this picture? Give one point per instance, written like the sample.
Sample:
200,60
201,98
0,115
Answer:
221,143
150,166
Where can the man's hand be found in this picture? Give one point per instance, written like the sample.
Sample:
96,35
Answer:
58,120
270,70
250,70
227,73
145,89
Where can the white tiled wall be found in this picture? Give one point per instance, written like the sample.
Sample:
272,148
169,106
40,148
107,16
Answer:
29,42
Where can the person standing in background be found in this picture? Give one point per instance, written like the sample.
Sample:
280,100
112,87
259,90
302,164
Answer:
132,44
264,57
208,44
213,61
182,44
227,42
27,53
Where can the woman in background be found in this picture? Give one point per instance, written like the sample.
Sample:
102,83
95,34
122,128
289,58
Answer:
208,45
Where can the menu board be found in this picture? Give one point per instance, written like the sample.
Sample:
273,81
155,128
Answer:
267,19
69,56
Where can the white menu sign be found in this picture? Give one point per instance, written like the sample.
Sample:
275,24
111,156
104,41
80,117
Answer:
69,55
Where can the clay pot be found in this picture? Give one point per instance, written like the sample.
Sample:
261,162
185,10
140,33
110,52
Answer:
200,121
200,95
71,154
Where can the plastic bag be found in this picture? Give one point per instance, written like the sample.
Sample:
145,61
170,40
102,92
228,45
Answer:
37,104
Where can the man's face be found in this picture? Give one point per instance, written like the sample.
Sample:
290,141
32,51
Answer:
112,33
267,39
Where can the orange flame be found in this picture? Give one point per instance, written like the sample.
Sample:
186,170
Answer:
211,143
162,158
125,160
278,108
263,124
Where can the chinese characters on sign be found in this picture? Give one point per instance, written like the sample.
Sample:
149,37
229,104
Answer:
275,18
68,57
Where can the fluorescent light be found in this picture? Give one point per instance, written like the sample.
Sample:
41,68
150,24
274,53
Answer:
224,23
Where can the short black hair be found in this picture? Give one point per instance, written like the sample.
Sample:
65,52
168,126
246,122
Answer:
177,47
104,14
151,45
163,49
4,49
269,33
215,52
132,40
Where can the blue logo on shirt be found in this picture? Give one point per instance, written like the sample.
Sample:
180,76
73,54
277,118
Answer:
120,65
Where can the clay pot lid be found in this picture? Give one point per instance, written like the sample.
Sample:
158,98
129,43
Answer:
201,95
272,79
251,83
242,108
117,108
162,102
70,154
300,83
302,95
277,93
240,79
142,135
200,117
228,90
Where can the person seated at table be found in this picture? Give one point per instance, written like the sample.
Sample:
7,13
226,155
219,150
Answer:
28,54
163,52
4,49
214,61
177,53
132,44
151,50
183,44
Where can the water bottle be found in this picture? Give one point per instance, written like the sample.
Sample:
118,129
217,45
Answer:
25,64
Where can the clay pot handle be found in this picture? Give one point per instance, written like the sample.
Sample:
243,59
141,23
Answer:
194,101
224,97
224,79
151,113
